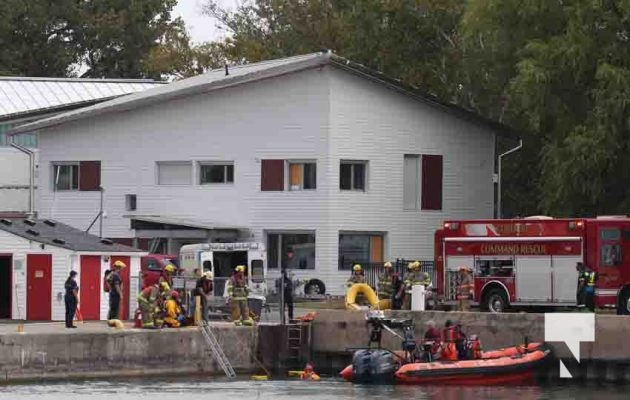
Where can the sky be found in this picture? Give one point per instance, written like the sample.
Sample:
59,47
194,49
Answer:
202,28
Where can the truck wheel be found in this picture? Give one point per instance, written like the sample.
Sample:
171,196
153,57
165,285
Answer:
314,286
624,303
496,301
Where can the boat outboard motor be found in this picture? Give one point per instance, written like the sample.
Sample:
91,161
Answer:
374,366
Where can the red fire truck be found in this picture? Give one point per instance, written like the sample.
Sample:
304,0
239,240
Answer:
532,261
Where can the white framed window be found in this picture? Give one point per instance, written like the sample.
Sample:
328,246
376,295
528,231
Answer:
292,250
65,176
353,175
302,175
216,172
174,172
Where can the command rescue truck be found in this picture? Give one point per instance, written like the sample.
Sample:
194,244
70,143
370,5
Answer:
532,261
221,259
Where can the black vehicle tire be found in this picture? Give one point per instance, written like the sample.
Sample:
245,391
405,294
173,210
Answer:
314,286
623,308
495,301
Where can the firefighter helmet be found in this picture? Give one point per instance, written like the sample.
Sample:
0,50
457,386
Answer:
356,267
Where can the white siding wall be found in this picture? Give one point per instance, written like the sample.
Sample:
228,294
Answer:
371,122
61,263
319,114
14,171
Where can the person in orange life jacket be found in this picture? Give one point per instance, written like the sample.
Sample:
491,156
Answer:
449,338
432,338
475,347
309,373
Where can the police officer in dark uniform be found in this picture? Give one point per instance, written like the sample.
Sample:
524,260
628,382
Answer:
71,298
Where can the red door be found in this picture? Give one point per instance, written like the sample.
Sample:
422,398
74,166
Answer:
124,274
90,288
38,287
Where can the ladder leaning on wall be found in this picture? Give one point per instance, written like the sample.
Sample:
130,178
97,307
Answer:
216,349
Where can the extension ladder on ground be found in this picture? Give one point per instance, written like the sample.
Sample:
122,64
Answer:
216,349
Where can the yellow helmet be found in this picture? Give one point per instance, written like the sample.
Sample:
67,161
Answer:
165,287
387,265
410,265
356,267
119,264
207,275
240,268
169,268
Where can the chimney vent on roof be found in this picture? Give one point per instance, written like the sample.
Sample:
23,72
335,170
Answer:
59,241
6,221
106,241
32,232
29,222
50,222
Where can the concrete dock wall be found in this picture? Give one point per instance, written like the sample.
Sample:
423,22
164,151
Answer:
608,358
74,355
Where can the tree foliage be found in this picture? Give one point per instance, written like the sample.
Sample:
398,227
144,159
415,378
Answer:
557,70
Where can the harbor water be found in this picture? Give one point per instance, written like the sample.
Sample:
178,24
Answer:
327,389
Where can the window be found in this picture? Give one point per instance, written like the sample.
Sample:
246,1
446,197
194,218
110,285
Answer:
494,267
352,175
291,250
174,173
411,182
65,177
130,202
359,248
431,182
272,175
611,254
216,173
258,271
302,176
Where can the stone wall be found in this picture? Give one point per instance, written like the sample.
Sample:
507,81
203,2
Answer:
70,355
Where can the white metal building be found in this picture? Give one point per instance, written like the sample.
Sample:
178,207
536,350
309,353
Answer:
26,99
36,257
324,161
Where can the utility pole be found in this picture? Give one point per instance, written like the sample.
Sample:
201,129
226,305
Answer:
520,144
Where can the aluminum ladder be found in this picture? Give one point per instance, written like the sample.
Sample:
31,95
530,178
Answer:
216,349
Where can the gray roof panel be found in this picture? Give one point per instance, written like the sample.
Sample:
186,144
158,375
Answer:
54,233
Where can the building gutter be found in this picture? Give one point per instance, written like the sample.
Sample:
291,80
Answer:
520,144
31,184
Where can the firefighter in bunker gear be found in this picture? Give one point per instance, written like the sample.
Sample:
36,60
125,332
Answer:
590,277
167,274
579,267
173,311
165,291
385,291
465,288
147,302
238,292
357,276
414,277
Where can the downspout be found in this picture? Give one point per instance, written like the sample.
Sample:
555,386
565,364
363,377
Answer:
520,144
31,186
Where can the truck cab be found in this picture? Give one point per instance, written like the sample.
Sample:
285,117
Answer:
152,266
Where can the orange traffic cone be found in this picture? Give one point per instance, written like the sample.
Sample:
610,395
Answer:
78,315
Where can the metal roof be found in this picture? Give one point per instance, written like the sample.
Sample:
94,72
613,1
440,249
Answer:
190,223
20,96
242,74
54,233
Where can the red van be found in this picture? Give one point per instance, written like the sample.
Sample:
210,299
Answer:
151,267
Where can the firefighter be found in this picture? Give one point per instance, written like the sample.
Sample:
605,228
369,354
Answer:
398,291
357,275
238,291
172,311
590,277
167,274
203,289
464,288
579,267
408,277
147,302
115,285
385,283
158,315
415,277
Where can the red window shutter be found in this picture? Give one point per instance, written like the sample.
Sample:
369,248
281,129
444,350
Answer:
89,175
272,175
431,182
